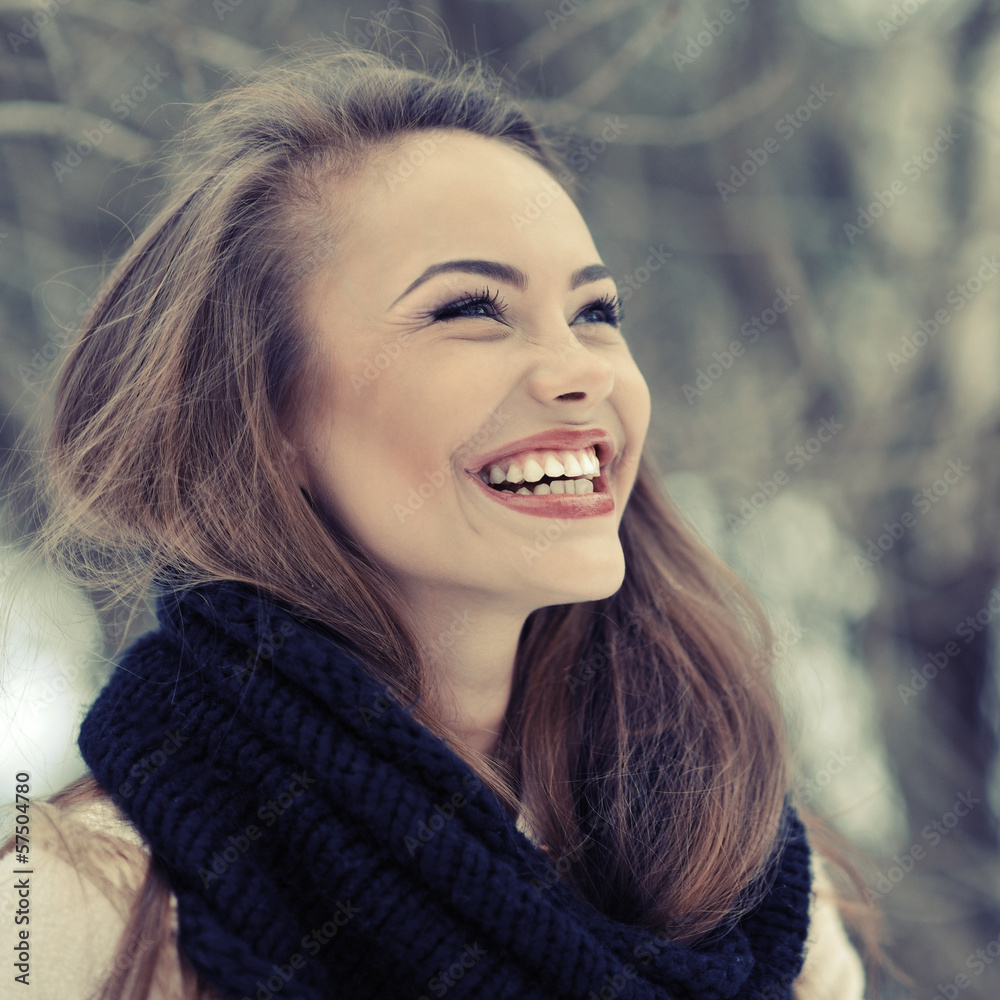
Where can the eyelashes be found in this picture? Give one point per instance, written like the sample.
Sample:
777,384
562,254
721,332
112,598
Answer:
491,306
612,307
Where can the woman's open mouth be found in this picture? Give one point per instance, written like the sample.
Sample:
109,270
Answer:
550,482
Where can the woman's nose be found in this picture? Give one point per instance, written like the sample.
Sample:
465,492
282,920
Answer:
568,371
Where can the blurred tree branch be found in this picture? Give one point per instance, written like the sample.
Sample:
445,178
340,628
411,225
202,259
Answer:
544,41
214,48
700,127
59,121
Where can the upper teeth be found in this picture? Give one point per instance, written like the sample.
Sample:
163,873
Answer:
531,467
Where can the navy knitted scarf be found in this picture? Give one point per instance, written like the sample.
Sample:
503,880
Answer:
322,843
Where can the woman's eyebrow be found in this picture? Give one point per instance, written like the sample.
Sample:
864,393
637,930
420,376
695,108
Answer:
503,272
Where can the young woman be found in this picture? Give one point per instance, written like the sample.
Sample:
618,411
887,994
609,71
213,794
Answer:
445,698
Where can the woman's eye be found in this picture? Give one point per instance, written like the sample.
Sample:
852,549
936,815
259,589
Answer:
606,309
481,305
467,309
486,305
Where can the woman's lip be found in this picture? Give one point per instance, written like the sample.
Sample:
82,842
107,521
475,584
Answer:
553,504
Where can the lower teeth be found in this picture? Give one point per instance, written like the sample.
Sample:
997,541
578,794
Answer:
571,487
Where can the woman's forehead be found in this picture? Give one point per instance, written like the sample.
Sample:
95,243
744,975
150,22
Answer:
448,194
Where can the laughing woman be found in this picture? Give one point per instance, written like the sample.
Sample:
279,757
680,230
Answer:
444,697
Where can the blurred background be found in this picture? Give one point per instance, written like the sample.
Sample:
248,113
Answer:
801,203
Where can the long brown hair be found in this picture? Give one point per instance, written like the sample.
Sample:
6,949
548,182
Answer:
643,741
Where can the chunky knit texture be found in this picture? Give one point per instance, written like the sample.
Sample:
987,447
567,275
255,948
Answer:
322,843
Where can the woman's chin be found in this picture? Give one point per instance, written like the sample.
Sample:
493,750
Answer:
570,581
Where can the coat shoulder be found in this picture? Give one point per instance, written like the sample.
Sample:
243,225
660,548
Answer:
833,969
88,868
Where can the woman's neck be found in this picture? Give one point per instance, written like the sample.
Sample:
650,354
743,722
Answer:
469,653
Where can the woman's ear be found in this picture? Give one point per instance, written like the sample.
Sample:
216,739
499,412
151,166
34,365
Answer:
293,456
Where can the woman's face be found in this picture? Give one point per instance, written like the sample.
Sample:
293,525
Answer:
470,371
